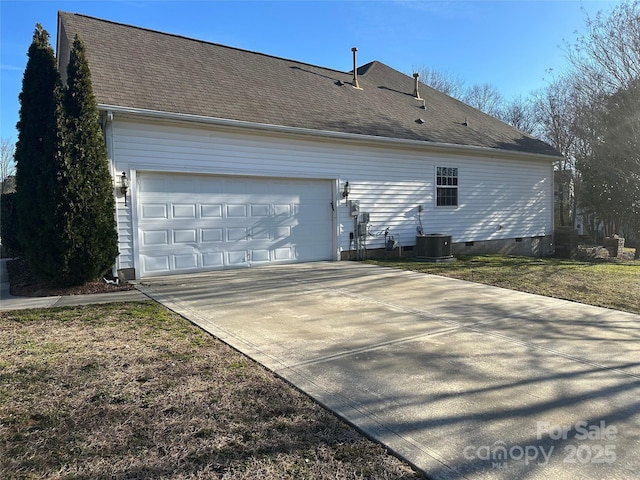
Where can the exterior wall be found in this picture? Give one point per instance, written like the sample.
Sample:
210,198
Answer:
525,246
499,199
528,247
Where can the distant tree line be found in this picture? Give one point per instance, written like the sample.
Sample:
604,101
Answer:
64,215
590,115
7,165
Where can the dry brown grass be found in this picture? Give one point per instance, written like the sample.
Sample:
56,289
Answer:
132,391
602,283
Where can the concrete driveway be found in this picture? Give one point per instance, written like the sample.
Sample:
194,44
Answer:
460,379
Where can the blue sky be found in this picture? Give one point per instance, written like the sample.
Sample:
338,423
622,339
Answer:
508,43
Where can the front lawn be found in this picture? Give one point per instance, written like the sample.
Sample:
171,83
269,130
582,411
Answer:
603,283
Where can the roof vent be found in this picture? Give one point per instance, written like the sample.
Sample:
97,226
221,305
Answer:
355,70
416,93
420,121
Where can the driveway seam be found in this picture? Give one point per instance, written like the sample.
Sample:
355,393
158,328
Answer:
477,328
376,346
318,392
558,353
431,315
341,404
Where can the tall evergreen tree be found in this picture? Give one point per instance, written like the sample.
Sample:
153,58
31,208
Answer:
86,206
35,151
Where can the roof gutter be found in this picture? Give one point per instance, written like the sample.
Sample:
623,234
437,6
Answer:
352,137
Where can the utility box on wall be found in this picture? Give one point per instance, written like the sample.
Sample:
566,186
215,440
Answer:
354,207
433,247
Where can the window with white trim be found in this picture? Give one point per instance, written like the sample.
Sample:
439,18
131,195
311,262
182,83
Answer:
446,186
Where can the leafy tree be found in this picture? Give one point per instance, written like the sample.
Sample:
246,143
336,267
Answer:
612,174
34,156
86,207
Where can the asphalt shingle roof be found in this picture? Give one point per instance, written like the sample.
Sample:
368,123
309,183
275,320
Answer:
144,69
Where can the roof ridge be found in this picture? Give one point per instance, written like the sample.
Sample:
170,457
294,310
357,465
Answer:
175,35
172,73
364,69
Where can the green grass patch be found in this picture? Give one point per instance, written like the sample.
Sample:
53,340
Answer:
135,391
606,284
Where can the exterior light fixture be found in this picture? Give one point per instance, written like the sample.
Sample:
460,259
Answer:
347,190
124,186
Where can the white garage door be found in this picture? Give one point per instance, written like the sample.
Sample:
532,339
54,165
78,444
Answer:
189,223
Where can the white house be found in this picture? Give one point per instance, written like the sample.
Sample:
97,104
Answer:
236,158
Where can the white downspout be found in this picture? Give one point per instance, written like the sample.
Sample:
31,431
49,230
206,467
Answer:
112,167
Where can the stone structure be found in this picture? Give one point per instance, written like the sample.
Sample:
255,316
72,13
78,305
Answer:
615,246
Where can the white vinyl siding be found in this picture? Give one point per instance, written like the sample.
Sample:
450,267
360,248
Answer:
498,198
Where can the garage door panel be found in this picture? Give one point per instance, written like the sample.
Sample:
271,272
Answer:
184,211
236,211
211,235
260,210
211,210
237,234
184,236
154,210
185,261
282,254
155,237
260,256
155,263
218,222
282,231
213,259
237,258
261,232
282,210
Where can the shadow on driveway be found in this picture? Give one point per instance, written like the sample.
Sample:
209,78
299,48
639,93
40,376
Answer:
460,379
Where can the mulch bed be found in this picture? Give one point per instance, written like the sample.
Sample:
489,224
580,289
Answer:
25,284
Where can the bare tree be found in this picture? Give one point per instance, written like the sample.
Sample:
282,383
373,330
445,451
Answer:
485,97
444,82
555,116
555,110
605,66
607,57
7,163
519,112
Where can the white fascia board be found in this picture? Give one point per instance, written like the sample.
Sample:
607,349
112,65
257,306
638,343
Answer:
450,148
